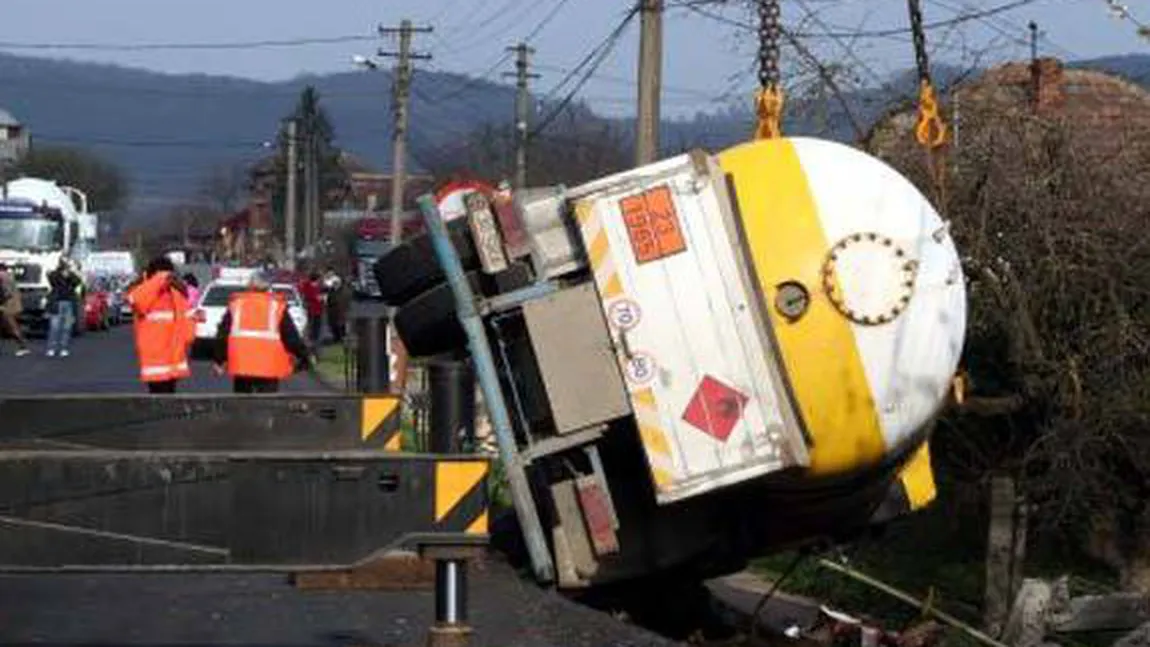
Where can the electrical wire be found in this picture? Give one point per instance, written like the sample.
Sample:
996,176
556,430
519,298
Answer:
592,61
876,33
472,81
158,143
546,19
139,47
486,74
618,80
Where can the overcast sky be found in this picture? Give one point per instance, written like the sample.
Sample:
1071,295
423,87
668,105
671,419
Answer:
705,58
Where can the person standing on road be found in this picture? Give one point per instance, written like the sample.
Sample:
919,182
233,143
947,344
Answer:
338,303
163,330
256,340
10,309
311,290
193,285
63,307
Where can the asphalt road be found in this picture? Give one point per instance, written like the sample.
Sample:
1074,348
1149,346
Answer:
256,610
234,610
104,362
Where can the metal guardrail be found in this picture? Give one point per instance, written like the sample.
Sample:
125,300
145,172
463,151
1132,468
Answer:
201,422
267,483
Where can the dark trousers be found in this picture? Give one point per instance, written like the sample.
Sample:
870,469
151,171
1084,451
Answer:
10,323
315,327
335,323
167,386
255,385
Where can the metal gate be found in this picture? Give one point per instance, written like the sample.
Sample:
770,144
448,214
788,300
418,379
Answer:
273,483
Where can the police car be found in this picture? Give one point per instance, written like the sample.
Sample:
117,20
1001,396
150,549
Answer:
213,303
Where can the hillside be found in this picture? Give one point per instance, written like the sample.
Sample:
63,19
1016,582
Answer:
167,131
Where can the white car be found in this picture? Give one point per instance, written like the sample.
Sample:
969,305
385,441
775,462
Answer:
213,304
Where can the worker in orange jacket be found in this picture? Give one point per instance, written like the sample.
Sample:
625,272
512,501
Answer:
164,332
257,340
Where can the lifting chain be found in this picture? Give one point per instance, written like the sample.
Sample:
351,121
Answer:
769,99
930,131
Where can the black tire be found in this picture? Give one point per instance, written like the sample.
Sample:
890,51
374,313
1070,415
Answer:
428,325
412,269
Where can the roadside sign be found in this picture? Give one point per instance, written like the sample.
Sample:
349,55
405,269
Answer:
450,197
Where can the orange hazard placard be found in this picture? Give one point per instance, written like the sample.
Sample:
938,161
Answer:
652,224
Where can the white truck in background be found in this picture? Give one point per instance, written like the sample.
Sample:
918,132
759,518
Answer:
112,262
40,224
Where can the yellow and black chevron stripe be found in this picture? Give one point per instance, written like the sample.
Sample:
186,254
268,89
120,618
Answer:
917,479
379,422
461,501
912,488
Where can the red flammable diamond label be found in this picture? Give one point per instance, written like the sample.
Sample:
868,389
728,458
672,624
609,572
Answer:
715,408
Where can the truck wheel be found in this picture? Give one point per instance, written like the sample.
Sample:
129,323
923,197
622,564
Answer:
412,269
428,325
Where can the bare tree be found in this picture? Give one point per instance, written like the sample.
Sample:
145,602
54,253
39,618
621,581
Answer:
1052,222
223,187
574,148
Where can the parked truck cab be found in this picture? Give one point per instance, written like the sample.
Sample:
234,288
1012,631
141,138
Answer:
39,225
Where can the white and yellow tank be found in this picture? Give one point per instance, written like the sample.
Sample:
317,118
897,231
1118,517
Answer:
787,305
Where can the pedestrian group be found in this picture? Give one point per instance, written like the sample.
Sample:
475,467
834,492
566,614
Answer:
257,343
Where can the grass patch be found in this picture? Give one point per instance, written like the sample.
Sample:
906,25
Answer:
332,363
935,554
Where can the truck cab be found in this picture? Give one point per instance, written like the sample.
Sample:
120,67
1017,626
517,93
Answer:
39,226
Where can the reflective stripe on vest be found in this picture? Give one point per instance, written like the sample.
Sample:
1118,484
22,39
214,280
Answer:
271,329
152,371
160,315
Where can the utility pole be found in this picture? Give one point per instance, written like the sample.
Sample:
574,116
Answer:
1035,71
522,110
650,73
290,203
304,150
314,216
1033,26
400,95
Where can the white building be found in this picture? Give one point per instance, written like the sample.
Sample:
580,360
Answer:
14,138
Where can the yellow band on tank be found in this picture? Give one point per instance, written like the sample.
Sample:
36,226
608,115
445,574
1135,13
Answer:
787,243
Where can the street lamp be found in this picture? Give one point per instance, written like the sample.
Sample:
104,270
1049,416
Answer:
364,62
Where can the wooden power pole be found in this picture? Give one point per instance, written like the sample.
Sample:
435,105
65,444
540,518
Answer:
401,87
290,203
522,110
650,71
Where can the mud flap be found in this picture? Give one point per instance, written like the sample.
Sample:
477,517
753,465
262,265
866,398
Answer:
912,489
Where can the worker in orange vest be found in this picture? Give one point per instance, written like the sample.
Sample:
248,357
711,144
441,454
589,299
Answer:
258,341
164,332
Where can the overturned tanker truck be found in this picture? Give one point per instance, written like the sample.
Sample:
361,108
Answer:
701,360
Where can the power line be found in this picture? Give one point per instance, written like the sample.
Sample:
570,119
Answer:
1010,31
155,143
475,36
1122,11
473,81
138,47
875,33
546,20
594,59
486,74
618,80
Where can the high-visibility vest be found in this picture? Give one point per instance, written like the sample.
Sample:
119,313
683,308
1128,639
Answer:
162,329
255,348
